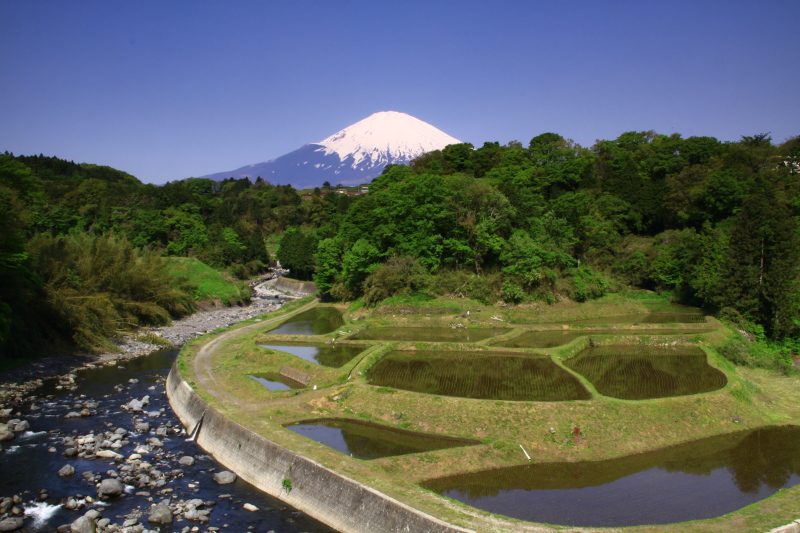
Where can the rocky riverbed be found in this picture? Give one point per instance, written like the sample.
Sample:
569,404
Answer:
98,449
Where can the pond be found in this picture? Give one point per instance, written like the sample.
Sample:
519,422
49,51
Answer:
365,440
494,376
317,321
550,339
429,334
325,355
702,479
641,372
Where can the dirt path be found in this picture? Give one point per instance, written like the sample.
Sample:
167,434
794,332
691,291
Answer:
203,363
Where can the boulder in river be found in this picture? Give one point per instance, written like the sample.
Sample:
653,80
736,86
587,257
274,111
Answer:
224,477
83,525
5,432
66,471
161,514
11,524
186,460
110,487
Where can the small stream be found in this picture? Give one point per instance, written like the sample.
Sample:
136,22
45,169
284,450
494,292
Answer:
31,461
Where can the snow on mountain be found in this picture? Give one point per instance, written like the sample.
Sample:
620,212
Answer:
353,155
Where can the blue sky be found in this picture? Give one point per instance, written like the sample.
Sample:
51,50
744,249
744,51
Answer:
168,90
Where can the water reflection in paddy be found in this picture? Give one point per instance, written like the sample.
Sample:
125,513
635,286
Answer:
549,339
317,321
371,441
477,375
429,334
702,479
275,381
640,372
331,356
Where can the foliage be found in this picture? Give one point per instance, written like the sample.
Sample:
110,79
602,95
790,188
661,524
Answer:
99,286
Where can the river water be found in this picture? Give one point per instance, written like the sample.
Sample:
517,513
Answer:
26,465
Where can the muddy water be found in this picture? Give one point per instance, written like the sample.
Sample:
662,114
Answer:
372,441
493,376
27,466
702,479
317,321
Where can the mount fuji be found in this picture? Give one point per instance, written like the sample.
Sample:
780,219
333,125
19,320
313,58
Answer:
352,156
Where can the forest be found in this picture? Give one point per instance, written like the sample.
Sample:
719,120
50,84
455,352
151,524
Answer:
84,251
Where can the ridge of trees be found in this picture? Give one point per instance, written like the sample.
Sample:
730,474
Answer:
711,223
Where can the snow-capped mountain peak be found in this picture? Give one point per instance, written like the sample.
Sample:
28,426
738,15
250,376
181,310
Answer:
353,155
385,137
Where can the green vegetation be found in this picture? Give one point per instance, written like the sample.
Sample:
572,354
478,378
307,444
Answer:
636,399
207,283
701,222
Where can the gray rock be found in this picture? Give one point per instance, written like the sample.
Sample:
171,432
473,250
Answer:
83,525
186,460
161,514
66,471
21,426
5,432
144,427
135,405
92,514
103,523
11,524
224,477
110,487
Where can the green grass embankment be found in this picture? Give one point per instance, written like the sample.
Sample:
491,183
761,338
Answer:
207,283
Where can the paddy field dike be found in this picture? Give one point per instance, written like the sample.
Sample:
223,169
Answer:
450,415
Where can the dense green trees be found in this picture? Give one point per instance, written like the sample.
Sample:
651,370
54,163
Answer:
712,223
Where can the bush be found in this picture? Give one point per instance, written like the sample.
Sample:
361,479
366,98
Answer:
99,286
757,355
586,284
398,276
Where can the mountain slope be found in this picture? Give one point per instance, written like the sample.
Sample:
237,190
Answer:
353,155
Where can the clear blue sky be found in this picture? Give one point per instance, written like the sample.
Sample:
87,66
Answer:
168,89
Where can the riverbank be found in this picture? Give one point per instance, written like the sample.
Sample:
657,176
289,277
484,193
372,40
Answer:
17,383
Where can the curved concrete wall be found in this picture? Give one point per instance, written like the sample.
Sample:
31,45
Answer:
340,502
296,287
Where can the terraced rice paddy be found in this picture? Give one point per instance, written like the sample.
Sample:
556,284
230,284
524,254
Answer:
701,479
317,321
550,339
429,334
644,318
274,381
494,376
641,372
364,440
330,356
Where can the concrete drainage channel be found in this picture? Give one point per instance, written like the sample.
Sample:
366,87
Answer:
340,502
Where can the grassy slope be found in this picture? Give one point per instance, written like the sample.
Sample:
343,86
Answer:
610,427
210,284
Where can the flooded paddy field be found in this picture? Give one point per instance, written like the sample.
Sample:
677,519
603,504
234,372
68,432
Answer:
317,321
553,338
325,355
641,372
435,334
364,440
702,479
494,376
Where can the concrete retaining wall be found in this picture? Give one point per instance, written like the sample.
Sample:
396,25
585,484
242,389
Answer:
296,287
340,502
